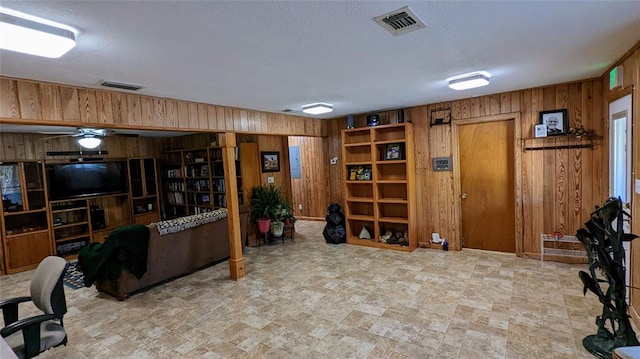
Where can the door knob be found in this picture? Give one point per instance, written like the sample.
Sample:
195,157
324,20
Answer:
464,195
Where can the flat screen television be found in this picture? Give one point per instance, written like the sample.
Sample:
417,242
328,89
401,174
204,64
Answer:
72,180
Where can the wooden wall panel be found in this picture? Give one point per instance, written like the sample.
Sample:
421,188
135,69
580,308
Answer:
193,115
171,107
119,108
558,186
27,146
148,111
134,110
283,178
9,106
50,101
27,100
310,191
104,108
70,103
333,148
88,106
160,117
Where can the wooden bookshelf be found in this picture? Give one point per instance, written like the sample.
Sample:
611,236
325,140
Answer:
379,175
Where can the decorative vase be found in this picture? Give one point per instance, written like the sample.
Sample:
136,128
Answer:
263,225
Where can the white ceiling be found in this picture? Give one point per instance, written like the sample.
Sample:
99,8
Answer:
272,55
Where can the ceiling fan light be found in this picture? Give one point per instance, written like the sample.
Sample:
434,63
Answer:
33,36
89,142
317,108
469,82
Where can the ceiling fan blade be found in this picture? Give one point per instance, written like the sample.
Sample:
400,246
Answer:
59,136
134,135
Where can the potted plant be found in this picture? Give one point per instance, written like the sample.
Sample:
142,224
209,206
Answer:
283,216
264,204
270,210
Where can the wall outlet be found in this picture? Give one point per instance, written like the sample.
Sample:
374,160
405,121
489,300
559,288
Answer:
270,179
300,207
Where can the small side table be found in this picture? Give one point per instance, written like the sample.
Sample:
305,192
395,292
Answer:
289,231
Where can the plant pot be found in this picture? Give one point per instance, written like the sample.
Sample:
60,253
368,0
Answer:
277,228
263,225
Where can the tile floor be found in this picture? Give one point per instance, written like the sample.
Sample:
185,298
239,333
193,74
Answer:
309,299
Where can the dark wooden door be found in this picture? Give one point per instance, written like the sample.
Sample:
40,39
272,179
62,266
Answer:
487,185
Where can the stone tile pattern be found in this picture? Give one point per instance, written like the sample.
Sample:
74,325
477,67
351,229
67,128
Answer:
309,299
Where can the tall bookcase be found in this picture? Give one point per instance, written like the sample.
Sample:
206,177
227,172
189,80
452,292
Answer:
143,189
193,181
379,175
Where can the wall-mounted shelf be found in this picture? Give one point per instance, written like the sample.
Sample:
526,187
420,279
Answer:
561,142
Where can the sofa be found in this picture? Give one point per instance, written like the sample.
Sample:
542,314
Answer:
176,248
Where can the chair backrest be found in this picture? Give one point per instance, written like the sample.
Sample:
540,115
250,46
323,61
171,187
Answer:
47,290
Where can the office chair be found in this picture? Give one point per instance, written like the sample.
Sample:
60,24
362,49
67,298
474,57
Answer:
30,336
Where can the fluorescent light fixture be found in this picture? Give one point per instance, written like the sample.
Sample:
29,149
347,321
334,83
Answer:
89,141
31,35
317,108
469,81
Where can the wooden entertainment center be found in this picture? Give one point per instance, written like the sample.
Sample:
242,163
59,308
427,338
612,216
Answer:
34,225
37,220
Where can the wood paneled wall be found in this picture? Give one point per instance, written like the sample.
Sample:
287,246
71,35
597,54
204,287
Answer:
311,191
25,101
560,187
27,146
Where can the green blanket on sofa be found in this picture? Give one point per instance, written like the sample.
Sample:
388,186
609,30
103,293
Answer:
125,247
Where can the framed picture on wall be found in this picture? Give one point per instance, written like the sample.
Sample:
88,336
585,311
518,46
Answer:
270,161
557,122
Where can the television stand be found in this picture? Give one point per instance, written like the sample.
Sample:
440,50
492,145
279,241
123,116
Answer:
87,220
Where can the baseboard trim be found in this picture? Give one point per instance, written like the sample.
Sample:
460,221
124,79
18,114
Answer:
311,218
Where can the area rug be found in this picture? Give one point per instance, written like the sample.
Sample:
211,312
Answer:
73,277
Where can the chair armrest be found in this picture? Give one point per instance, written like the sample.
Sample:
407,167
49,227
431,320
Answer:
10,308
25,323
30,328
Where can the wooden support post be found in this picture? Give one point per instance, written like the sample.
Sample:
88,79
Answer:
236,261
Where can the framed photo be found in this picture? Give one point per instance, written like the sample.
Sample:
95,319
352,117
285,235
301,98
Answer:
557,122
270,161
393,152
541,131
353,171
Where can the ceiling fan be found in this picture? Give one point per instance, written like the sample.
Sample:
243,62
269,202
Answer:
87,137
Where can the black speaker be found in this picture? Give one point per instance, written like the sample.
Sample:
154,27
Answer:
400,116
97,218
350,123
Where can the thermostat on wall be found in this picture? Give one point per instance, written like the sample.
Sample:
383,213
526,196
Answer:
441,164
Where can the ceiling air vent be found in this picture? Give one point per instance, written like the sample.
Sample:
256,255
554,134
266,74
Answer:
119,85
400,22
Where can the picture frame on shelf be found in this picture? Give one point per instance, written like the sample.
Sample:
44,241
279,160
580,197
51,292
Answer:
393,151
540,131
353,171
557,122
270,161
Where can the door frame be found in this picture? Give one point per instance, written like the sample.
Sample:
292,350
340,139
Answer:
517,166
